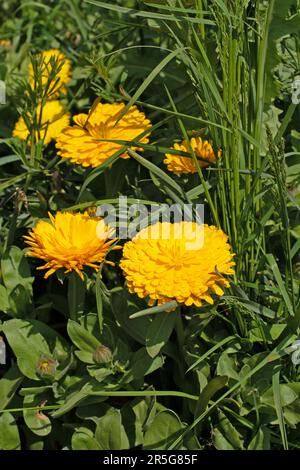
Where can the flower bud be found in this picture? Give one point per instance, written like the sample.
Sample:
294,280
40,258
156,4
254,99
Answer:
102,355
46,366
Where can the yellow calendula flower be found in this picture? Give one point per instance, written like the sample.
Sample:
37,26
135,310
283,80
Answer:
63,75
180,164
5,43
85,142
183,261
70,241
53,118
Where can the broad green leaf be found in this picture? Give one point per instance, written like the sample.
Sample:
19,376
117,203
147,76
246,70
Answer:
85,356
213,386
76,396
134,416
123,306
226,366
142,364
28,345
165,426
15,269
9,434
261,440
110,433
17,279
292,414
159,332
4,303
287,396
19,300
230,432
9,384
83,439
36,420
81,337
219,440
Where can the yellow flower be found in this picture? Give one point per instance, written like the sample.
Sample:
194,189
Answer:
46,366
54,119
70,241
5,43
179,164
183,261
64,73
82,143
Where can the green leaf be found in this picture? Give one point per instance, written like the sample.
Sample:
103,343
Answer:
134,417
19,301
155,310
17,279
261,440
36,420
85,356
273,355
9,434
209,352
142,364
27,344
152,75
12,181
219,440
81,337
15,269
74,398
83,439
123,306
76,296
292,414
165,427
164,177
4,303
159,332
226,366
110,432
230,432
273,265
9,384
213,386
99,301
278,407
